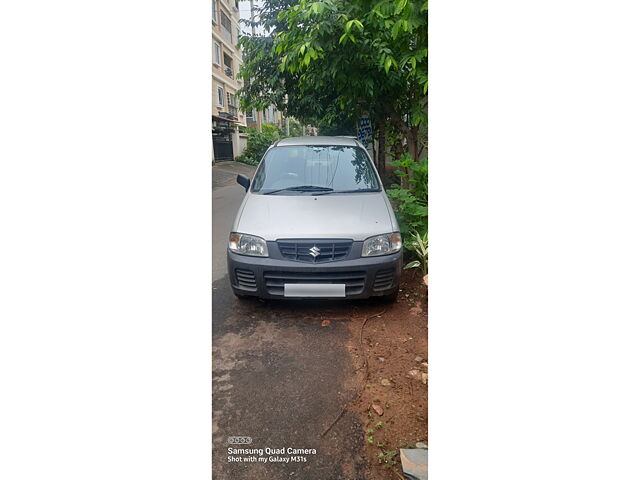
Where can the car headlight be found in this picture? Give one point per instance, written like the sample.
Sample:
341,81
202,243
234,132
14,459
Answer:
248,245
382,245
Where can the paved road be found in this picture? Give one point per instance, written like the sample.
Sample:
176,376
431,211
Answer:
227,196
279,377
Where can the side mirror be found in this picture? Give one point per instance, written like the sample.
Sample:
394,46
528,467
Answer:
244,181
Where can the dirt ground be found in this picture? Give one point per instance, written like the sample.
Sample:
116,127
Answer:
393,355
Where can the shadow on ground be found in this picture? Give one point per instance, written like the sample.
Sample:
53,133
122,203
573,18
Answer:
281,378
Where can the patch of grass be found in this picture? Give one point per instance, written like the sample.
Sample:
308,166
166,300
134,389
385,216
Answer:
387,458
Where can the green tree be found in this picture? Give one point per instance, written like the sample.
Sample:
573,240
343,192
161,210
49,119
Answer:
331,59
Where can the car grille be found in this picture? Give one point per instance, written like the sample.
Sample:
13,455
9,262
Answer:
324,250
246,279
353,281
383,280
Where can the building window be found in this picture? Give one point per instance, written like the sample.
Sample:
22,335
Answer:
216,53
228,65
214,11
226,26
220,97
231,105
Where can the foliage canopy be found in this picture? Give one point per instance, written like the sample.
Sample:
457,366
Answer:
329,61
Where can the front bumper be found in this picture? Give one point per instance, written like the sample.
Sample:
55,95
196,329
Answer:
265,277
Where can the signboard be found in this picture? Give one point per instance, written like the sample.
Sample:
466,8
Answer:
365,131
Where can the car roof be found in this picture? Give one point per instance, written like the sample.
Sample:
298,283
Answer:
347,141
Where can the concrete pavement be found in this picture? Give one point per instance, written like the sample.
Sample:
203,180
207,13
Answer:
279,377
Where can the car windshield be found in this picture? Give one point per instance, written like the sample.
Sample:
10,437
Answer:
315,170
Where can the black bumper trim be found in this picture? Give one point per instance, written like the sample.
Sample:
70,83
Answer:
363,277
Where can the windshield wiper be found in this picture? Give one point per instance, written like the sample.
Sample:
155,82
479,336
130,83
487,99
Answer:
350,191
301,188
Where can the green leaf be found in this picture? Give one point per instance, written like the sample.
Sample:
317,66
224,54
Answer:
395,31
377,11
348,26
400,5
387,64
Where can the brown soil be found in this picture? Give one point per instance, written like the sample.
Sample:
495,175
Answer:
393,352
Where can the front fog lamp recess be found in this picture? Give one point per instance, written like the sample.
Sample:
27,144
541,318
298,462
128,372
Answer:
248,245
382,245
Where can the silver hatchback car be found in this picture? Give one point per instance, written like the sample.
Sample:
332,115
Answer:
315,223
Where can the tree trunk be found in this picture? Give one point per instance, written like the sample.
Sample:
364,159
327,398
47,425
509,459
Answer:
398,152
382,151
412,143
374,151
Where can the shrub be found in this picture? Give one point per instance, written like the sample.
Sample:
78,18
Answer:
410,199
295,129
257,143
419,245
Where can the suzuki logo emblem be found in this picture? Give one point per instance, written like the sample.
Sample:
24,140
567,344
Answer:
314,251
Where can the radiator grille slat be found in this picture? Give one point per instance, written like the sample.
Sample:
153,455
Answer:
314,251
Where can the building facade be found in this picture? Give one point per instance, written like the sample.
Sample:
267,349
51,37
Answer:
269,115
226,117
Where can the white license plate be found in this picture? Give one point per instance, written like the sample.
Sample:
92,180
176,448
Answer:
314,290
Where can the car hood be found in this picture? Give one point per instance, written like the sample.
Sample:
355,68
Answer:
355,216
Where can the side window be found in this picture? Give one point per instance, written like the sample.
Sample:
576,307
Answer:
226,27
221,96
216,53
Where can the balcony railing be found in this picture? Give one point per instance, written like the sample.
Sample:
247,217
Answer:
233,111
228,72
